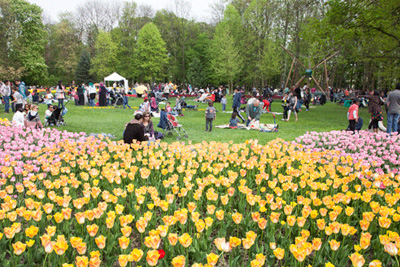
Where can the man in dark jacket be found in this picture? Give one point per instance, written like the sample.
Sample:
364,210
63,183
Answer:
236,103
135,131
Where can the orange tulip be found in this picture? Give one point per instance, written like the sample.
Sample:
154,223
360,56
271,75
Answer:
317,244
357,259
152,257
212,259
222,245
100,241
185,240
81,248
31,231
391,249
124,242
137,254
123,260
19,248
173,239
92,229
82,261
334,244
220,215
178,261
279,253
237,217
152,241
46,243
274,217
61,245
234,241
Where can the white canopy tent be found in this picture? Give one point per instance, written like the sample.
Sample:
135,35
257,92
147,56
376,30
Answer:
115,77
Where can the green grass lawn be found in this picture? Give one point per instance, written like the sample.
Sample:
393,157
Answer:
112,121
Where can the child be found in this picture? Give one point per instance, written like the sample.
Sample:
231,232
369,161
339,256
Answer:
210,115
285,106
18,99
223,102
125,100
49,98
233,122
352,115
266,104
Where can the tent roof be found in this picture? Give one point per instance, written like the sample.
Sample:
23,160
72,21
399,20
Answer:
114,77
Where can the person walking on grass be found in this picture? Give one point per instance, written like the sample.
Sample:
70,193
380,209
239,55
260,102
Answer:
211,113
292,106
223,102
125,100
393,112
236,103
352,115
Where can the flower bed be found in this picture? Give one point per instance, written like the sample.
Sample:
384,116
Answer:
87,202
378,151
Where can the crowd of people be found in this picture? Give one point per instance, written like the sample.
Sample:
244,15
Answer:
376,99
17,97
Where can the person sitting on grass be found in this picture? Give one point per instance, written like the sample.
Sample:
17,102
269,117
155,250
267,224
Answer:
253,112
145,106
134,130
33,119
18,119
233,122
48,112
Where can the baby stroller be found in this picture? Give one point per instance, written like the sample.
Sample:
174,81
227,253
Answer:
117,100
170,124
57,117
159,97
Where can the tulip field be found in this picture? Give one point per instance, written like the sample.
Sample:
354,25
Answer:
325,199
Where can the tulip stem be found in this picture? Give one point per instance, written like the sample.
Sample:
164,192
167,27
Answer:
45,259
397,261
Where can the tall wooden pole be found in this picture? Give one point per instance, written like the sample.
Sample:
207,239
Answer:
316,82
290,72
326,77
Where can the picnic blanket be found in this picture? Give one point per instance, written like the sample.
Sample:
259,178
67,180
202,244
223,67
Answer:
261,127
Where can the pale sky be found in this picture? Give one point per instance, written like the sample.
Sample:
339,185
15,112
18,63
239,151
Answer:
199,8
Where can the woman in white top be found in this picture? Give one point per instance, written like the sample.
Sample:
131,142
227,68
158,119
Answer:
92,94
19,118
60,94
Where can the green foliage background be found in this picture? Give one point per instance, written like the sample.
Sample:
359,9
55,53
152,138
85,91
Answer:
239,46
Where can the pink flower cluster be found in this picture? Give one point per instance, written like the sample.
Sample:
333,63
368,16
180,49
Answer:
17,145
379,151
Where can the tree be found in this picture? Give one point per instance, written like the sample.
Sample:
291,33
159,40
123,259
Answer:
83,69
67,47
196,74
226,60
105,61
23,38
151,53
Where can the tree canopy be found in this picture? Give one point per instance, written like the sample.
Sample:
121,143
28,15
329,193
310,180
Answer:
240,45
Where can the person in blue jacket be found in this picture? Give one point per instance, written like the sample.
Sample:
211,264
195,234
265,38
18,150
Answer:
236,103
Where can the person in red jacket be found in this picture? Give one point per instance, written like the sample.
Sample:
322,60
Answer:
352,115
